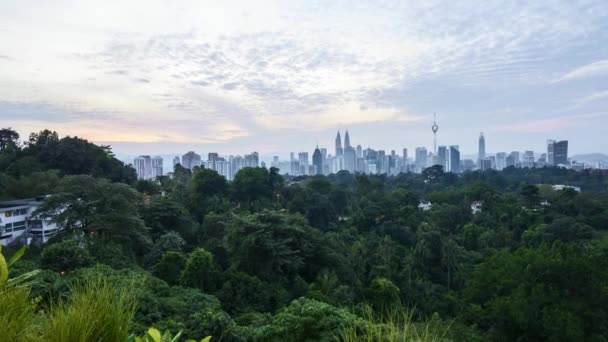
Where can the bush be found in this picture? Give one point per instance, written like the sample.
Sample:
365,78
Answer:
18,319
97,311
65,256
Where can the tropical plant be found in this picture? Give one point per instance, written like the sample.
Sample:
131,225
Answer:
154,335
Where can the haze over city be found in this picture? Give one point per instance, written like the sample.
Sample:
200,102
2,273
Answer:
165,77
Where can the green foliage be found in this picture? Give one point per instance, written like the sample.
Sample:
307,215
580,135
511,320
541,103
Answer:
201,271
65,256
18,317
306,320
548,293
97,311
97,208
396,325
170,267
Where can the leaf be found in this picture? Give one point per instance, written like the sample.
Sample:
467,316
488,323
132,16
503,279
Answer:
206,339
177,336
166,336
16,256
22,278
154,334
3,270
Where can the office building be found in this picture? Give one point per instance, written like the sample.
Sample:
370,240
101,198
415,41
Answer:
317,161
157,167
442,157
453,159
303,163
339,150
191,160
482,147
421,157
560,151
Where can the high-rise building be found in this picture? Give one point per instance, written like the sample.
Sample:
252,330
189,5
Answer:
251,160
350,159
550,152
501,160
157,167
359,151
346,140
143,167
560,150
485,164
515,155
303,163
339,150
442,157
176,161
190,160
317,161
482,147
454,159
404,155
528,159
421,155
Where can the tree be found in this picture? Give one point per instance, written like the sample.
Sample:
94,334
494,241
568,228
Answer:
170,267
201,271
552,293
306,320
255,184
97,208
170,242
8,138
164,215
269,244
65,256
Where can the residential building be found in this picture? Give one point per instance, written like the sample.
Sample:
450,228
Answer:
17,221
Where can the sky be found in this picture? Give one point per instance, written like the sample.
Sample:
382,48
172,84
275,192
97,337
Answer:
164,77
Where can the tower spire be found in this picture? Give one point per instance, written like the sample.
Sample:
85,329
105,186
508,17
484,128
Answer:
435,128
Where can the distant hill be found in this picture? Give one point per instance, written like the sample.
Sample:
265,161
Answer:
590,157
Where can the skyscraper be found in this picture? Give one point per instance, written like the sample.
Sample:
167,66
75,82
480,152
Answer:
421,155
560,152
190,160
359,151
454,159
350,158
551,152
157,167
442,157
303,163
176,161
501,160
143,167
339,150
317,161
404,156
346,139
481,155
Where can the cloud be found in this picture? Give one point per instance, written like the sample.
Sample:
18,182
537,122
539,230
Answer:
551,125
596,69
594,97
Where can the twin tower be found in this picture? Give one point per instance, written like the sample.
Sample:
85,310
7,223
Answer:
339,149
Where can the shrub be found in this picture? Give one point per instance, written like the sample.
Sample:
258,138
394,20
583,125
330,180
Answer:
65,256
97,311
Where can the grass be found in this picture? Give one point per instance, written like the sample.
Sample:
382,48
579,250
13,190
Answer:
396,325
97,312
18,318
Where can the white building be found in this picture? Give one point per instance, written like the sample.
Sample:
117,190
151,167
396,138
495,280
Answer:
425,205
157,167
143,167
17,221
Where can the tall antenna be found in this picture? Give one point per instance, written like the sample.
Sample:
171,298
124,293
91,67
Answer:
435,128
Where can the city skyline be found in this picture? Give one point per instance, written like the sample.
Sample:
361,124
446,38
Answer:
273,76
356,158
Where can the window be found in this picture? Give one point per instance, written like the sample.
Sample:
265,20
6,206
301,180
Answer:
19,225
8,214
8,227
22,212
